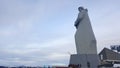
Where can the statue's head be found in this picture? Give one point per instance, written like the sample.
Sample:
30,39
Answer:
80,9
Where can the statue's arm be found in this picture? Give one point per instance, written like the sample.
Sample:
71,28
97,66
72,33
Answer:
77,21
79,18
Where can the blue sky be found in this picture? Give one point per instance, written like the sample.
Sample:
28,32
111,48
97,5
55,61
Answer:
41,32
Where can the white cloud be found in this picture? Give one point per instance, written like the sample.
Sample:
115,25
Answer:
7,33
52,51
57,56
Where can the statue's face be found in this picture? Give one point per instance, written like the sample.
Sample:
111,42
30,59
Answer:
80,9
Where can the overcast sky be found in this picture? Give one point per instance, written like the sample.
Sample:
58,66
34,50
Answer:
41,32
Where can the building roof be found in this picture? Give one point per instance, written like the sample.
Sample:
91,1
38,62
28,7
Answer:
109,55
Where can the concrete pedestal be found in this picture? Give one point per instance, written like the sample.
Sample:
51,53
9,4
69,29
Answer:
84,60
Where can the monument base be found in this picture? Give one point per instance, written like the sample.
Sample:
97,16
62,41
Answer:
84,60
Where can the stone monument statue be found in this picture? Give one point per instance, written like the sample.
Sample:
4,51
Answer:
85,41
84,37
